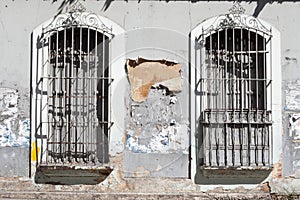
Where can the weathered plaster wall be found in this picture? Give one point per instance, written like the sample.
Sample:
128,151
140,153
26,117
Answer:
14,161
154,30
17,20
291,91
156,130
14,126
14,135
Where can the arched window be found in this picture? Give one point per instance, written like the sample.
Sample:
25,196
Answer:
71,74
236,119
233,91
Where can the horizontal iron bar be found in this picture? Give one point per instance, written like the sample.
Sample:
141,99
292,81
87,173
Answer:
74,77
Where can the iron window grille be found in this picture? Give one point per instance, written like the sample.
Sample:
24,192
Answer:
73,110
235,92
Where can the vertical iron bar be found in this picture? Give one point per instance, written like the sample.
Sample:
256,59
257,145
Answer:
216,73
256,73
57,95
80,93
65,99
263,133
242,93
270,133
233,95
257,91
221,54
75,72
88,94
49,71
91,99
241,144
264,76
218,144
95,90
249,98
109,81
241,72
218,95
233,74
203,98
54,111
211,74
103,97
265,96
267,142
71,94
209,143
204,54
256,144
41,100
84,132
225,98
211,98
233,145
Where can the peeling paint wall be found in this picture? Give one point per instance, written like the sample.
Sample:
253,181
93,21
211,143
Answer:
154,122
14,135
292,95
154,30
291,110
291,160
14,126
292,147
156,125
144,74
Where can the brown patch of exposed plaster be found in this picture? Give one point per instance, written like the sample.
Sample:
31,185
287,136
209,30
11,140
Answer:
144,73
265,187
277,170
141,172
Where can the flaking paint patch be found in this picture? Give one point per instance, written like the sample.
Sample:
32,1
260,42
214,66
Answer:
143,74
141,172
294,143
291,151
14,127
156,125
292,92
294,131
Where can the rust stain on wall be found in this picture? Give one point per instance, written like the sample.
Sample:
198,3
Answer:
143,74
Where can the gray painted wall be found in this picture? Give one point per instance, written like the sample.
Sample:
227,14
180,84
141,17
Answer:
14,161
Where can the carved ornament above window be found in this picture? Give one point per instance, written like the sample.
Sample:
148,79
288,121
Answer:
236,19
77,17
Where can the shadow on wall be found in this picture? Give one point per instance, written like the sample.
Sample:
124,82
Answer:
260,3
63,5
259,7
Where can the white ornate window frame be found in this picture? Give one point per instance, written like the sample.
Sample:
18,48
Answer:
76,16
236,18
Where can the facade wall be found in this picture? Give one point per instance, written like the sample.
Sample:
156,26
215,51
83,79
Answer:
153,30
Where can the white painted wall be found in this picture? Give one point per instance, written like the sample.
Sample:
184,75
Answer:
154,30
19,18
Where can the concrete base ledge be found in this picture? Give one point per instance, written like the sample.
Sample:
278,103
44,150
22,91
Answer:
128,196
65,175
